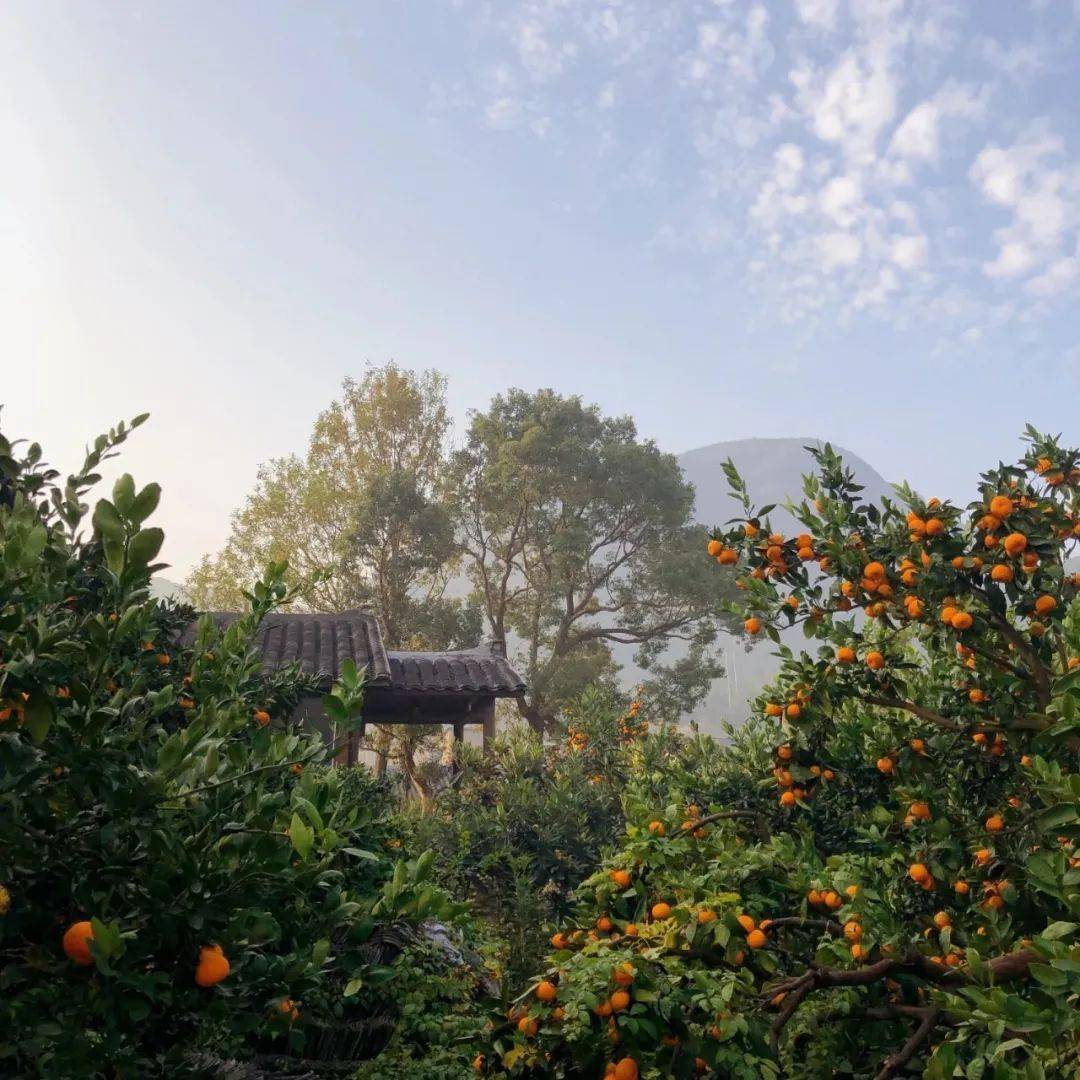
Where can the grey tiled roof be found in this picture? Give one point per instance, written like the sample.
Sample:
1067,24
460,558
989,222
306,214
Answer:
321,642
473,670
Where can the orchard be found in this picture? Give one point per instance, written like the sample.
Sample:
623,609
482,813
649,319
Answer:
880,876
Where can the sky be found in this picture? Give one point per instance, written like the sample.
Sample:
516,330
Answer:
857,220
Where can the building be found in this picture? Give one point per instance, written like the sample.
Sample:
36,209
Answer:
451,688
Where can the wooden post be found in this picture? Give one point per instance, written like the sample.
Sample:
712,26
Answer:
487,714
459,732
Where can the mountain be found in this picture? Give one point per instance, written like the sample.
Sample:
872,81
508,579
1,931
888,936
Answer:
773,471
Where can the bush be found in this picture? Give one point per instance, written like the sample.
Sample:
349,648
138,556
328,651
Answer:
881,876
180,874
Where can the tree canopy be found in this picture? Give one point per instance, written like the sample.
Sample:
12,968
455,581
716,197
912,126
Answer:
578,537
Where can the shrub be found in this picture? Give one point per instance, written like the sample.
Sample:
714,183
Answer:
158,799
894,887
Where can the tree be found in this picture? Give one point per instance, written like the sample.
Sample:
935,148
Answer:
361,516
882,875
165,827
578,537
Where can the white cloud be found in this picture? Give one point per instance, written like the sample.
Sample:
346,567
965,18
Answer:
918,138
839,249
852,103
504,112
840,199
819,13
908,252
605,99
1043,197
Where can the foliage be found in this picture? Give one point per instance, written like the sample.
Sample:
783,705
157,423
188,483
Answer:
881,875
578,537
361,517
155,788
526,822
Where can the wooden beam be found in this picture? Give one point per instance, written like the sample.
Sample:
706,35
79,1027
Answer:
487,715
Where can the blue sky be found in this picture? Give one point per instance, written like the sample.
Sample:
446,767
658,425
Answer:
853,219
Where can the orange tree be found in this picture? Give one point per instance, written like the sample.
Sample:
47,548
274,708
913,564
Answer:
879,877
178,875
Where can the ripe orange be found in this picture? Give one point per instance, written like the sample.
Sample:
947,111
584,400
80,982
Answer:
885,765
845,655
962,620
828,774
833,900
212,967
657,828
1001,506
746,923
558,941
875,661
728,557
715,547
918,745
262,717
547,991
995,823
961,887
627,1069
287,1008
783,752
706,915
976,696
1002,573
604,924
528,1026
772,709
1015,543
874,571
920,810
852,930
918,872
1045,604
756,939
621,878
788,800
620,1000
661,910
77,940
934,526
793,711
982,856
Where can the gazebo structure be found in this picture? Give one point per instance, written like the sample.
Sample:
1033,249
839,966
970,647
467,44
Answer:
451,688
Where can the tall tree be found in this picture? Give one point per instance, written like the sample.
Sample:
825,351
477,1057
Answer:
364,503
578,537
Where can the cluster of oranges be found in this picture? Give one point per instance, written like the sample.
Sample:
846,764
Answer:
790,793
212,966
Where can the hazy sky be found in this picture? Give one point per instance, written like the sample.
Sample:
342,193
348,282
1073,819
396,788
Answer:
853,219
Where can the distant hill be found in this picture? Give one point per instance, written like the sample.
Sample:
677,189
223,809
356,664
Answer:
773,471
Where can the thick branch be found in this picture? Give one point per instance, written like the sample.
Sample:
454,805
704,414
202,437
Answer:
916,710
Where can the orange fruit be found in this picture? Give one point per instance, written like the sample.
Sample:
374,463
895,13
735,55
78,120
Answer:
212,967
657,828
631,930
918,872
962,620
794,711
1001,506
661,910
783,753
287,1008
728,557
547,991
752,625
874,571
621,878
788,799
756,939
920,810
1002,573
77,940
746,923
1015,543
875,661
995,823
934,526
852,930
620,1000
715,547
603,924
885,765
1045,604
706,915
262,717
627,1069
558,941
845,655
918,745
528,1026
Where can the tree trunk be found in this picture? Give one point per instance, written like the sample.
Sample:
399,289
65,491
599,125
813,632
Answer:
536,716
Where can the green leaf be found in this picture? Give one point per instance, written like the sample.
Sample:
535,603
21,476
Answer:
302,836
144,546
144,504
1048,976
124,494
1057,930
351,987
38,716
107,522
